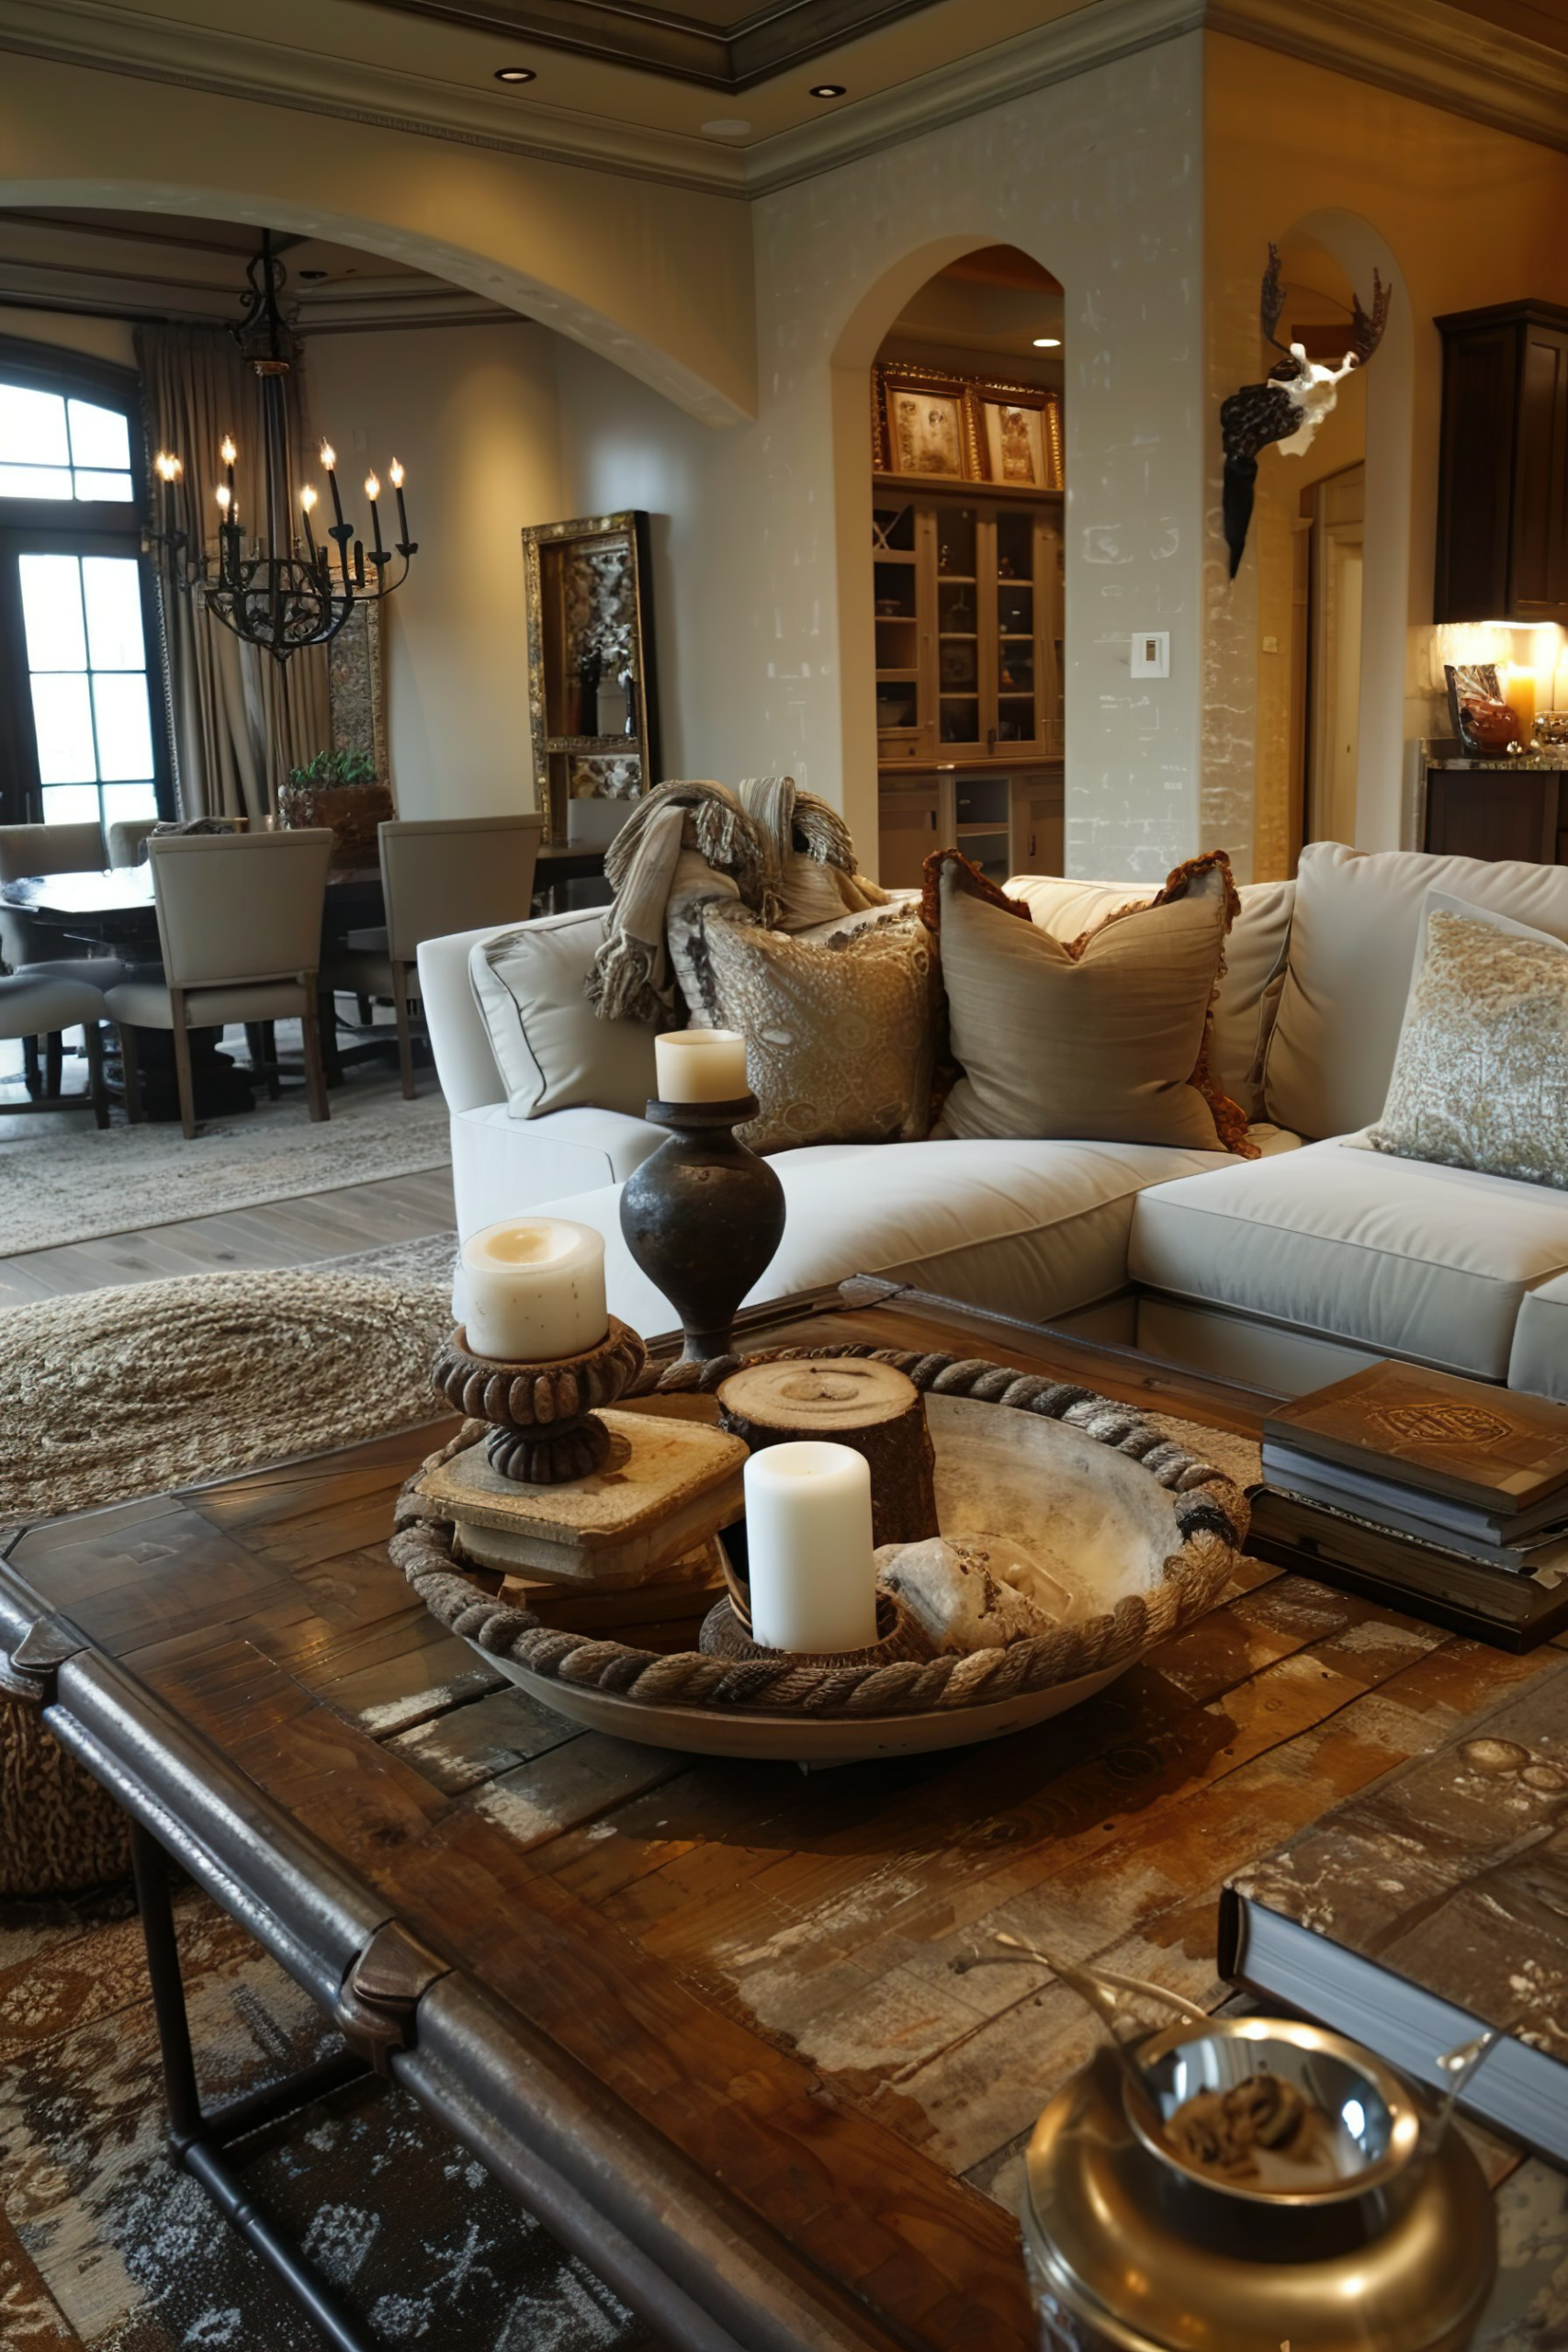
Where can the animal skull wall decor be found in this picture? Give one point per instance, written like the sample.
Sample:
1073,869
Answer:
1287,408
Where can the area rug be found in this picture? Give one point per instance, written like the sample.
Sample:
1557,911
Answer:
109,2249
108,1395
62,1180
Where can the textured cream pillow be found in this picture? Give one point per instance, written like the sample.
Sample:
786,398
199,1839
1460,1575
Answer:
1102,1039
552,1050
1481,1077
840,1033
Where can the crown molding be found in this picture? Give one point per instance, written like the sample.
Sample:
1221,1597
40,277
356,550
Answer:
1421,48
1094,34
114,39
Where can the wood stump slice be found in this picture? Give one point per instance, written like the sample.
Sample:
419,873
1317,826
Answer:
846,1400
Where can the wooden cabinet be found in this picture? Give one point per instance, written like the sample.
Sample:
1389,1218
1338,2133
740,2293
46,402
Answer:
968,608
1495,812
1503,473
1006,822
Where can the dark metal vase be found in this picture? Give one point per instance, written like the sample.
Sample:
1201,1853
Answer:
703,1217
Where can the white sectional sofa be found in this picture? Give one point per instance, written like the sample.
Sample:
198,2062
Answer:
1287,1270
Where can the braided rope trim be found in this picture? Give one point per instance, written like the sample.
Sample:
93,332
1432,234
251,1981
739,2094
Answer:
1211,1517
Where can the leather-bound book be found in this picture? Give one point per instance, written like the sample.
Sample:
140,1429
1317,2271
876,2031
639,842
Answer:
1498,1453
1431,1905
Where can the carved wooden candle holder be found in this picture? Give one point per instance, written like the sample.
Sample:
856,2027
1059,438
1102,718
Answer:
703,1217
545,1430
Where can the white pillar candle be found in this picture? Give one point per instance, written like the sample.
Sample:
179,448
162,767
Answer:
700,1066
809,1555
535,1290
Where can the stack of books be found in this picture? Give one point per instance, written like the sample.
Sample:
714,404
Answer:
1444,1497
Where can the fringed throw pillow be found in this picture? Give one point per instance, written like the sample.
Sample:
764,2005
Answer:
1102,1038
840,1031
1481,1077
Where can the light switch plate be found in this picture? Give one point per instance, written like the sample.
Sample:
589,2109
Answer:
1151,653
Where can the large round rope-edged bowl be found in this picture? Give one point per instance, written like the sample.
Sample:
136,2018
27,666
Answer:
1142,1532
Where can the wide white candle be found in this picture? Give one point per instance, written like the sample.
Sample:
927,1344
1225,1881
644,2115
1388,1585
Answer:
700,1066
535,1289
808,1549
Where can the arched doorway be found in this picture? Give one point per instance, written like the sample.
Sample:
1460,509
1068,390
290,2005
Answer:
953,631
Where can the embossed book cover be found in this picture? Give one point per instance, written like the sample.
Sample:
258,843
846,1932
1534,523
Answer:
1430,1904
1496,1448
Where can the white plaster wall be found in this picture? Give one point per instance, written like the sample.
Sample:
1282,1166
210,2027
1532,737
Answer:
472,413
766,646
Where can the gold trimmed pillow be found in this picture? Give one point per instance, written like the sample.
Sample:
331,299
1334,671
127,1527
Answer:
1102,1038
1481,1077
840,1033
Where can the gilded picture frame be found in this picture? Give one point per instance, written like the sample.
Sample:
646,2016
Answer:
589,621
930,425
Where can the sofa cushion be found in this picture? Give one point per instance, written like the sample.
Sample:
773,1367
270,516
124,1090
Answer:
1539,1357
1101,1038
1481,1077
1248,995
553,1051
1353,936
500,1166
1393,1254
1024,1228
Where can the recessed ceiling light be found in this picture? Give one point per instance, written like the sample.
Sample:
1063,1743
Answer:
1047,343
516,73
726,126
312,277
828,89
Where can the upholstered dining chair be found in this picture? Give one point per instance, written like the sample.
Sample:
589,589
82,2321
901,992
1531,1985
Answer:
240,924
438,875
33,1006
27,946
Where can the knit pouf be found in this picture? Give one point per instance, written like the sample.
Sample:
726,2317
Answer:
60,1832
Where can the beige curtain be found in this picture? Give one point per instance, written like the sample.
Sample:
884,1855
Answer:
241,720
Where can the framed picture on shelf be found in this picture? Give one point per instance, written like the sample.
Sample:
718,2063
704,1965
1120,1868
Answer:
1020,435
922,423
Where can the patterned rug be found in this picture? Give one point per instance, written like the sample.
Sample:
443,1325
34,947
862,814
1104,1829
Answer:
106,2248
63,1180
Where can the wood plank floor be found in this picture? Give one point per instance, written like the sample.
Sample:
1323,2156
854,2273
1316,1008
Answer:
279,1232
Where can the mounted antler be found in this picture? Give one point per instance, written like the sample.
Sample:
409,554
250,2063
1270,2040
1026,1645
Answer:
1289,406
1273,300
1365,333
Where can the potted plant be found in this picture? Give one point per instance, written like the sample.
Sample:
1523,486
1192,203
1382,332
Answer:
339,789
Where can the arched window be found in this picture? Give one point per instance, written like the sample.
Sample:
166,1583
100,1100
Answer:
83,731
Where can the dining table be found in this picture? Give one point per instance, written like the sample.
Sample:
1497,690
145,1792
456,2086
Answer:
115,912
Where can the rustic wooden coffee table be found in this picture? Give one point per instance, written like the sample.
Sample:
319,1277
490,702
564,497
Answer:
714,2022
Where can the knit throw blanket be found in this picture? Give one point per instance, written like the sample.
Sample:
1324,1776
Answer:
786,855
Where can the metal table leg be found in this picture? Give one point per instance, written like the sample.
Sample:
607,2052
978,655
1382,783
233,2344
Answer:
198,2139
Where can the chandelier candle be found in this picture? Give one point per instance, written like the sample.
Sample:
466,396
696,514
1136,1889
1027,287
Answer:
534,1288
373,491
808,1549
700,1066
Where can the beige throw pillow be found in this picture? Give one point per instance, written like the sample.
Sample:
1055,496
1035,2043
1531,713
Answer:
1481,1077
1102,1038
840,1033
552,1052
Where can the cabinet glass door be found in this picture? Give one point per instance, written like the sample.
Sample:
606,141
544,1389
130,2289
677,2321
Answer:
900,716
1014,591
960,680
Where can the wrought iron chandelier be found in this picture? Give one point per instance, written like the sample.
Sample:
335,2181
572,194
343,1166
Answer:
270,590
